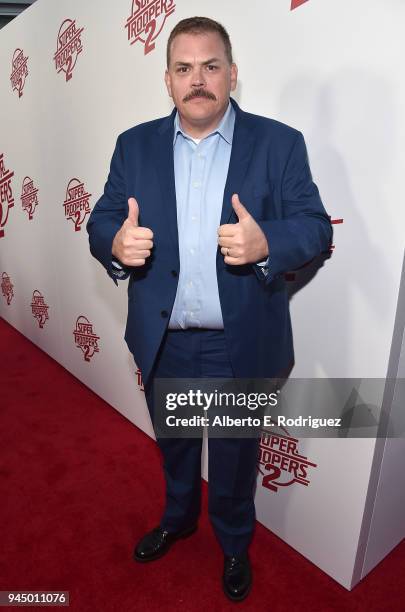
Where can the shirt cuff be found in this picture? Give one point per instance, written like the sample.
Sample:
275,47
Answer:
116,264
117,269
264,266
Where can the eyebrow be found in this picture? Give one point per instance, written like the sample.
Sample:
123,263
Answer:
210,61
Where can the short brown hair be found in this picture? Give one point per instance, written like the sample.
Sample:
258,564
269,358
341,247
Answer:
200,25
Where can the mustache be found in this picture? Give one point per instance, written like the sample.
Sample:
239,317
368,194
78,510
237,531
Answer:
199,93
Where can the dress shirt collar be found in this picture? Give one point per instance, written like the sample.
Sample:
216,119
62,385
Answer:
224,129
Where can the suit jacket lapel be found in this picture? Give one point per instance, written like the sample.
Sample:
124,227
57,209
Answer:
164,162
242,150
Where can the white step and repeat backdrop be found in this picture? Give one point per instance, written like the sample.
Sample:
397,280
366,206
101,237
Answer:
74,74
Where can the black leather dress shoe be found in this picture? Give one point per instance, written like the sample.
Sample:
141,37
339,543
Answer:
157,542
237,577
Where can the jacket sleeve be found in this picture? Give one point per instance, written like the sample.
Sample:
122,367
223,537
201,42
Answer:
304,231
108,215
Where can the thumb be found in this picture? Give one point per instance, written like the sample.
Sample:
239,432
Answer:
241,211
133,212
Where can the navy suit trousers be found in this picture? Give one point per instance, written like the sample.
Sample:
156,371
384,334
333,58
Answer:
202,353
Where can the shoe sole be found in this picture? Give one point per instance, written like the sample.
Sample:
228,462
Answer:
185,534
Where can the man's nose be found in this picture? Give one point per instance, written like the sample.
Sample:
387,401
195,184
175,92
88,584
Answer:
198,77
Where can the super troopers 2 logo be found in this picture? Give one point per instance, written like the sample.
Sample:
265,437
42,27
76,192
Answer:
280,462
39,308
19,71
6,194
68,47
7,288
76,204
29,197
147,20
85,338
139,380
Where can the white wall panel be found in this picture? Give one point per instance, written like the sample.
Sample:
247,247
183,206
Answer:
331,69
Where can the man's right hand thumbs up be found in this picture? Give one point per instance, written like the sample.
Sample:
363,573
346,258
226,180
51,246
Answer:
132,244
133,212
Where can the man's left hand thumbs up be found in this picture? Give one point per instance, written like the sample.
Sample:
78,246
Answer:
242,242
238,207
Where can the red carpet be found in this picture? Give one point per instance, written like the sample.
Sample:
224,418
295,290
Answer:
80,484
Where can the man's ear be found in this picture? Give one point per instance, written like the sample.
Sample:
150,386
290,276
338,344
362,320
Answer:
234,76
168,83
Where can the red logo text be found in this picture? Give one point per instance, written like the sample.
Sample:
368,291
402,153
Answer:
19,71
85,338
280,462
39,308
147,20
76,204
7,288
29,197
68,47
6,194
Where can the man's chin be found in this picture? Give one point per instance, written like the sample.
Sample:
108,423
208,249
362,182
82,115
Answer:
197,116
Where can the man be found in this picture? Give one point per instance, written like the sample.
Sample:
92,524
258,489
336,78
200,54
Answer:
204,211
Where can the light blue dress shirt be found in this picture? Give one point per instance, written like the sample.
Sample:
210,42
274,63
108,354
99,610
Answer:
200,169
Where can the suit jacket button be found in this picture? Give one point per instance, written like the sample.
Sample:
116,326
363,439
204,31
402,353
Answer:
164,314
174,273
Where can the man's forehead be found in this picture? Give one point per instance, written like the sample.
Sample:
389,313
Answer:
197,47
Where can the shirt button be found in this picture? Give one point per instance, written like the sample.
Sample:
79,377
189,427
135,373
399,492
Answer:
192,251
174,273
164,314
194,218
196,184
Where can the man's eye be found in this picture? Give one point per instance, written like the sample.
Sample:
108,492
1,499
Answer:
212,67
182,69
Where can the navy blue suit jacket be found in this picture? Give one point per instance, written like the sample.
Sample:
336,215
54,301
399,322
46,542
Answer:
269,170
